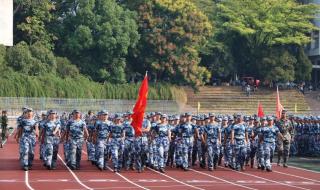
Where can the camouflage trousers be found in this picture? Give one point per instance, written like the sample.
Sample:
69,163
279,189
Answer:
116,148
268,151
27,145
187,146
162,151
51,150
128,153
75,153
91,149
240,151
213,150
101,152
140,152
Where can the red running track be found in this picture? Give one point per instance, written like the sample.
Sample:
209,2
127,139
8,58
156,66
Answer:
89,177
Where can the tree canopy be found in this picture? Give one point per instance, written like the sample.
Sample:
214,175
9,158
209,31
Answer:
184,42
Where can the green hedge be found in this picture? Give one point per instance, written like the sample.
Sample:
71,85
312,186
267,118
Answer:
13,84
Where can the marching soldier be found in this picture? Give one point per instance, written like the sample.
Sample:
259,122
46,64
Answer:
27,133
76,132
51,140
283,145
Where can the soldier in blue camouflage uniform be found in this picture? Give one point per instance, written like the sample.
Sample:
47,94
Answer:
200,145
269,134
178,143
250,151
283,145
162,135
42,146
153,161
51,130
117,136
76,132
64,120
317,134
187,131
173,121
224,125
128,142
212,139
239,139
102,128
228,147
19,119
141,151
312,137
90,120
26,135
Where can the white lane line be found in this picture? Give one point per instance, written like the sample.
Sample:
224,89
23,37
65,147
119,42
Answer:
305,178
74,175
128,179
176,180
264,178
298,168
5,141
223,180
26,179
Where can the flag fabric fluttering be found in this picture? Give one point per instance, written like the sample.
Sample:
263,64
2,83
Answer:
140,107
279,107
260,110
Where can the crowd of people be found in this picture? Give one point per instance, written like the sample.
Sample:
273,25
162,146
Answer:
180,141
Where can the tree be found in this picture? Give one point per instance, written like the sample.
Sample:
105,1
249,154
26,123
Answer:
256,28
96,36
30,22
172,32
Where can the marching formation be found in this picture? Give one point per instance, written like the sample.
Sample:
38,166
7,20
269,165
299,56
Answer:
180,141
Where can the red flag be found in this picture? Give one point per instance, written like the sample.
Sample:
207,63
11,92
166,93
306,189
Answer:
140,107
260,110
279,107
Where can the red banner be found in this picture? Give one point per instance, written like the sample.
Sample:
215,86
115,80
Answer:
260,110
140,107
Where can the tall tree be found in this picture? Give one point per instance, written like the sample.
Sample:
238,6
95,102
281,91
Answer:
172,32
256,27
96,36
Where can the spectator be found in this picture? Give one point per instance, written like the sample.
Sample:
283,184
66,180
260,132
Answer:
248,90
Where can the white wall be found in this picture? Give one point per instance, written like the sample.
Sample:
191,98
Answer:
6,22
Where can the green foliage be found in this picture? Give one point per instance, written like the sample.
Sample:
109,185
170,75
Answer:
303,66
172,32
96,36
31,18
253,30
13,84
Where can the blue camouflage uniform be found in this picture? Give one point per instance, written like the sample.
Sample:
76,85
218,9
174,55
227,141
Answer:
128,144
42,146
162,142
102,145
212,132
51,143
228,150
66,147
239,145
269,135
90,144
76,138
27,141
141,152
116,145
186,132
250,146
